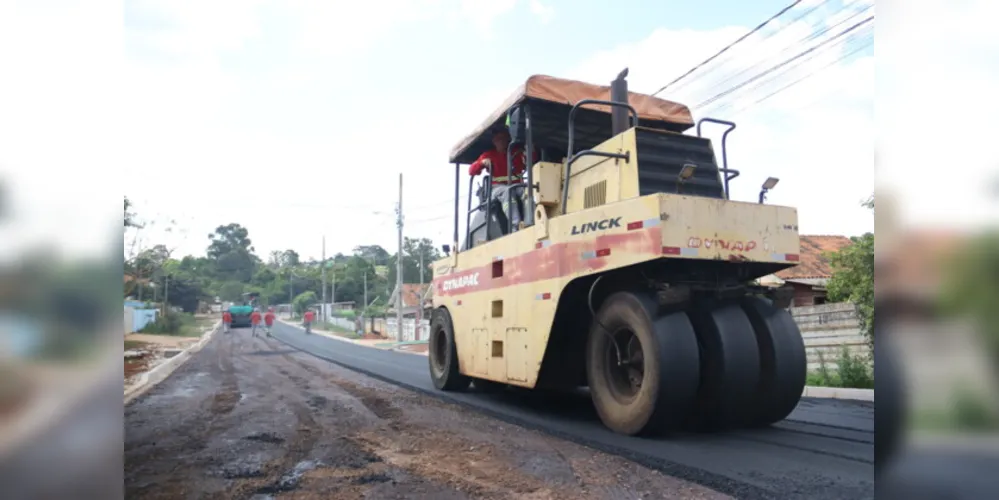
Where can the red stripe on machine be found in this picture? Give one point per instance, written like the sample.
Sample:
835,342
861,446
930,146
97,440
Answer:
671,250
635,225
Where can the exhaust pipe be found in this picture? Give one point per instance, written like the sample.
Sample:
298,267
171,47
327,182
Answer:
619,93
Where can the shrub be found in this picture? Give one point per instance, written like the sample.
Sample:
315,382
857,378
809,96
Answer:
854,371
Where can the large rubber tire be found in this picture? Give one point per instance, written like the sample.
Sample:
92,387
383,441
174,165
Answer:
444,368
669,362
783,362
730,366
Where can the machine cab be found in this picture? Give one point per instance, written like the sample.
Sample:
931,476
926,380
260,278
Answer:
567,127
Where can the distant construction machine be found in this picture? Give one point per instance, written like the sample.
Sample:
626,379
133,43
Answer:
619,263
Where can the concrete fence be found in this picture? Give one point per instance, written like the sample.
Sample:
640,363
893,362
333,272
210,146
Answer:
826,329
346,324
137,319
409,329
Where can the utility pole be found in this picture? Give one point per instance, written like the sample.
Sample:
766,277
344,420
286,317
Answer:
166,294
291,293
323,271
398,272
419,298
365,292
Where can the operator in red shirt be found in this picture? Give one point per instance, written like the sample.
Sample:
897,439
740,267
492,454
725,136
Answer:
269,320
496,158
226,321
307,321
255,321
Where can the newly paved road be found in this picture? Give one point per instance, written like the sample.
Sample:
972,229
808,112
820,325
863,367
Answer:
825,449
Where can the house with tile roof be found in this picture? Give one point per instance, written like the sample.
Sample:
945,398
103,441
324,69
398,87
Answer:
809,277
415,298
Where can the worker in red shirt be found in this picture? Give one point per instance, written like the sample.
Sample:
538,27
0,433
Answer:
226,321
255,321
269,320
307,321
496,159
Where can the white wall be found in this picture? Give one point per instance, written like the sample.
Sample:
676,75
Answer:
827,328
409,331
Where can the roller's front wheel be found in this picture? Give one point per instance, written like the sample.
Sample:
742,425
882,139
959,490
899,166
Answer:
642,368
444,368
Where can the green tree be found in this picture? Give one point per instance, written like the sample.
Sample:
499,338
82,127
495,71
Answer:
185,293
372,253
413,250
290,258
231,291
304,301
853,278
231,250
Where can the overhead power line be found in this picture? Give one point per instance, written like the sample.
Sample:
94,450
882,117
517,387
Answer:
845,42
764,38
796,45
805,77
729,46
785,63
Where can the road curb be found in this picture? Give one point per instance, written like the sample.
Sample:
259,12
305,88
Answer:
163,370
838,393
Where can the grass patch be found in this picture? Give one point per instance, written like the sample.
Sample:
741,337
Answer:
852,372
177,324
340,331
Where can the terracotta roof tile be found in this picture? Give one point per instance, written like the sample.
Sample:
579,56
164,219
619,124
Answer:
412,293
812,263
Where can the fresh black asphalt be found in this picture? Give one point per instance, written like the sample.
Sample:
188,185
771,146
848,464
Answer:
825,449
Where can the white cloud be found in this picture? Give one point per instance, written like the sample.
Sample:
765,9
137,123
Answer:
544,12
484,13
197,29
342,30
817,136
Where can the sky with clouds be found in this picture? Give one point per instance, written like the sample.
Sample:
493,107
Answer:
295,117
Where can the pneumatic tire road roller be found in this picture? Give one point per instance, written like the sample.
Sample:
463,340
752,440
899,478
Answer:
617,261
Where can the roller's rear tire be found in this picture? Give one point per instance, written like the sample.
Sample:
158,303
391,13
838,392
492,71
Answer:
783,362
654,392
730,366
444,368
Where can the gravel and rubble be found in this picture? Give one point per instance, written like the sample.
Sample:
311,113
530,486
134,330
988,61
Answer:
250,418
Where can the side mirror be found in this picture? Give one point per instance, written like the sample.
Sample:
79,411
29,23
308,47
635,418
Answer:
516,124
446,248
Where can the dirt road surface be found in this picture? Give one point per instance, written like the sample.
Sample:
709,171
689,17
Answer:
251,418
